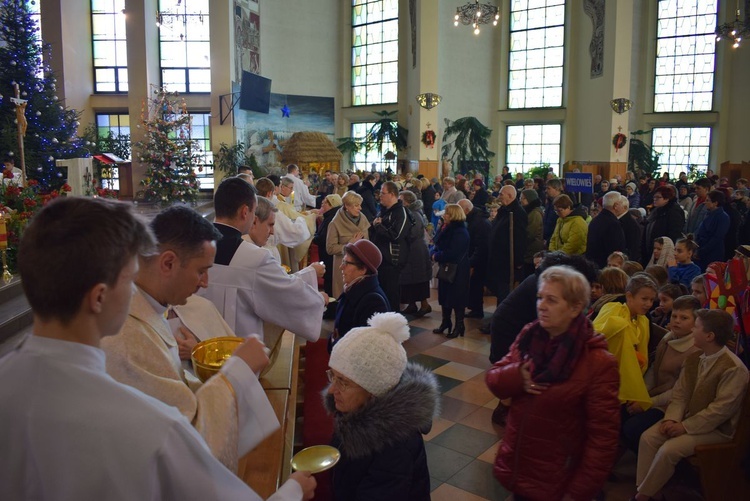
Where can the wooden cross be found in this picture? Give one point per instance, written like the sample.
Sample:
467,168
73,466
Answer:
22,124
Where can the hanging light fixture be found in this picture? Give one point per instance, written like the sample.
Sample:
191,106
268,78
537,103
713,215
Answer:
621,105
736,30
178,15
428,100
475,14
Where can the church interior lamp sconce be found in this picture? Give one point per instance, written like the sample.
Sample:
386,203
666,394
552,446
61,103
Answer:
428,100
621,105
476,14
736,30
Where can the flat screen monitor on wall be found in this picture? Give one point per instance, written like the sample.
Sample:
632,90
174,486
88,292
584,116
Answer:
255,93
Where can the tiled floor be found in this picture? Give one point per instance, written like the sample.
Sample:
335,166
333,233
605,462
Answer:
462,443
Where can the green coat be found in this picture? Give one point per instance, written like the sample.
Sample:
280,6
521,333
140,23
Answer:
534,240
570,235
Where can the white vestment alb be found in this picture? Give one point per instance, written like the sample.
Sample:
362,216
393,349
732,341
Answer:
71,432
230,410
254,288
302,195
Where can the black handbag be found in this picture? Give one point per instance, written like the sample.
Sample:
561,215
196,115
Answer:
447,272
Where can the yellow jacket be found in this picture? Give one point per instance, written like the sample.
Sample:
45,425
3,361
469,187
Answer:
570,235
628,342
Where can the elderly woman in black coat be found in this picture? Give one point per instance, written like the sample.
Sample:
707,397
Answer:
452,248
415,276
328,209
362,296
381,405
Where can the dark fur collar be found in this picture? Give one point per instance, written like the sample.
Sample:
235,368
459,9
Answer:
386,420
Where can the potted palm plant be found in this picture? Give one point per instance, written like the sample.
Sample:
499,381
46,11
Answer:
467,140
387,129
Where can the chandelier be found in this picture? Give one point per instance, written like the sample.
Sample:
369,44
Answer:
736,30
428,100
475,13
173,18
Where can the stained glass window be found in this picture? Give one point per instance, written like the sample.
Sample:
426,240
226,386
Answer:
374,52
185,46
200,132
368,159
680,147
109,46
685,49
119,125
537,39
530,146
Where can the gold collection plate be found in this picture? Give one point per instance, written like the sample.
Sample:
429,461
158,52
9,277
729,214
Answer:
316,458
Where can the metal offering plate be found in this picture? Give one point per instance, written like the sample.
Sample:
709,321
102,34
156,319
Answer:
316,458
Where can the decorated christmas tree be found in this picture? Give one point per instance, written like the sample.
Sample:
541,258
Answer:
168,150
50,128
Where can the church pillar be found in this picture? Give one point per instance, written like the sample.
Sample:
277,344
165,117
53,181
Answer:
221,23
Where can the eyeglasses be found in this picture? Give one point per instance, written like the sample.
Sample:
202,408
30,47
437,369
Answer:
348,263
560,209
342,383
658,198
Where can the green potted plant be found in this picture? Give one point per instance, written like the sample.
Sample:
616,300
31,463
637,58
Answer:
467,140
229,158
642,159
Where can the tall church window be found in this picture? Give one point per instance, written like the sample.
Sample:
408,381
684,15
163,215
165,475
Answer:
685,50
530,146
537,43
374,52
680,147
109,46
185,46
367,158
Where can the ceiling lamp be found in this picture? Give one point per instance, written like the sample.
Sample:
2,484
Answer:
428,100
734,31
475,13
621,105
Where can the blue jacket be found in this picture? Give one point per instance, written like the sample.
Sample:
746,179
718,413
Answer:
683,273
710,237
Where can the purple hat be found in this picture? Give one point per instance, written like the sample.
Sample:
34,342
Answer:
368,254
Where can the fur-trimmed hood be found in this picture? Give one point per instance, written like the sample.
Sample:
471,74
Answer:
391,418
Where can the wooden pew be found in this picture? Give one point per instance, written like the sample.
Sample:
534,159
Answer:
267,466
718,465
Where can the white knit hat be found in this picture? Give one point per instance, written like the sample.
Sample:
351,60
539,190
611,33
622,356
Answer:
373,356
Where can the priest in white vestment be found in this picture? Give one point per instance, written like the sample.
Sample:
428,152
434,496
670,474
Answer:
231,410
247,286
302,195
71,431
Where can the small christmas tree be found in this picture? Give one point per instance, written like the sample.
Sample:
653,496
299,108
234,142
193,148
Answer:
51,128
168,150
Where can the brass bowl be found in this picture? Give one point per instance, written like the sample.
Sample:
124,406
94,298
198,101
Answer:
316,459
208,356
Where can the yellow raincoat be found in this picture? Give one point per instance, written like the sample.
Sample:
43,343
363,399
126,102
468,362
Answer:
628,342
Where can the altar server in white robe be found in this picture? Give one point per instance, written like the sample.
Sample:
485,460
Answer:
231,410
247,285
302,195
72,431
263,230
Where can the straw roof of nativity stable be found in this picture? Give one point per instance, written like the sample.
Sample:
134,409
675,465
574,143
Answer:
309,147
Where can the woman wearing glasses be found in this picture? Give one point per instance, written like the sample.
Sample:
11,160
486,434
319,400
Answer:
347,226
571,230
667,219
381,406
362,296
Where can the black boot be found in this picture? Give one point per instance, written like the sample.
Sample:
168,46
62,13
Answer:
446,324
458,331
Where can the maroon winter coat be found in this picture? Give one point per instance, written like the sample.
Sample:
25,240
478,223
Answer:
563,441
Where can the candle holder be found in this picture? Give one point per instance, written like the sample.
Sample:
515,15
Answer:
7,277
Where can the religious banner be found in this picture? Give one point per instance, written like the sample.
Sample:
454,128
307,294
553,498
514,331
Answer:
579,182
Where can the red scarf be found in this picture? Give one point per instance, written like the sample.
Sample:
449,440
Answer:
554,358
